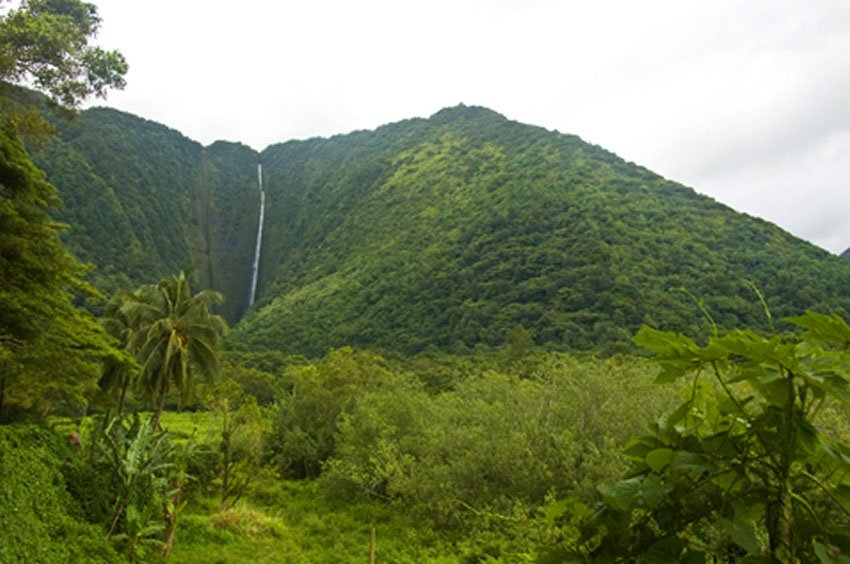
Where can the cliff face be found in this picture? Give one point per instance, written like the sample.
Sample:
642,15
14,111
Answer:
142,201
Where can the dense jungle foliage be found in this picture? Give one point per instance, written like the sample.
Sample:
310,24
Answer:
396,395
142,201
444,232
448,232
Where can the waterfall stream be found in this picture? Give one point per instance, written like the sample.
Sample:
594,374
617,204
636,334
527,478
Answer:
255,267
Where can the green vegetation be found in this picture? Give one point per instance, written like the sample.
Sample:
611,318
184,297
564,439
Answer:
451,231
40,520
446,232
463,474
450,280
40,327
172,336
144,202
741,468
45,43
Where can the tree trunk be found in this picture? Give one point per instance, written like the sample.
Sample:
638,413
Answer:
171,517
124,386
118,511
160,408
226,447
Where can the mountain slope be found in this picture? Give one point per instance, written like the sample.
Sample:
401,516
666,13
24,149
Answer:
445,232
142,201
450,231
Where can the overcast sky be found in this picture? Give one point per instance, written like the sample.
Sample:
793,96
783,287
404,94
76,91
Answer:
748,102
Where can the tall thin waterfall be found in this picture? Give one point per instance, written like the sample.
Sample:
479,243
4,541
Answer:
255,268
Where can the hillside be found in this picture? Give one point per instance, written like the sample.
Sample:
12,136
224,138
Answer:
143,201
448,232
444,233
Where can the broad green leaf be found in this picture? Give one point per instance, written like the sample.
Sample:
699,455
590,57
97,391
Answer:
822,553
807,434
750,509
676,354
684,460
637,448
652,491
742,533
668,421
774,391
727,480
664,551
659,458
622,494
829,328
838,388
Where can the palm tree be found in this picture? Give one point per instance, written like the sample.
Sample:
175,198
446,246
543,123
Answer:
173,336
119,373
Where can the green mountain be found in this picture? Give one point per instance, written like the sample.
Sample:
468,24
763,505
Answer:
446,233
450,231
142,201
846,254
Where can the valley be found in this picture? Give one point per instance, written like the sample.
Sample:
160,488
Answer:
437,352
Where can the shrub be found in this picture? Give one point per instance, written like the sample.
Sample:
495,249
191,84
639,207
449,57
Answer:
40,520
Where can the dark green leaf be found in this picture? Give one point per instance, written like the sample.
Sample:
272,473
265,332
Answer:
742,533
659,458
664,551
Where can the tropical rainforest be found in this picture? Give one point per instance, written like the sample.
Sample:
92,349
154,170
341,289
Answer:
470,340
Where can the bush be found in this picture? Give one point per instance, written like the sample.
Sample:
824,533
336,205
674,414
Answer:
314,397
495,441
40,520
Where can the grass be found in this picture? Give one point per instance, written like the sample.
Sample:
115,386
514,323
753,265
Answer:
295,521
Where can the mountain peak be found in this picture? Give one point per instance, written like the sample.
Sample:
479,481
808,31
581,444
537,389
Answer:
462,112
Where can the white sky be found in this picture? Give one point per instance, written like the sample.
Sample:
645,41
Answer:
748,102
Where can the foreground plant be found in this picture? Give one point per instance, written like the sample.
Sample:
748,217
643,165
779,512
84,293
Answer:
147,473
740,470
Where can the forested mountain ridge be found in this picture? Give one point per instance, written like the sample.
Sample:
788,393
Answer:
446,232
143,201
450,231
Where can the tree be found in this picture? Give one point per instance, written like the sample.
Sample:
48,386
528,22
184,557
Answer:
49,349
173,337
45,44
242,436
118,374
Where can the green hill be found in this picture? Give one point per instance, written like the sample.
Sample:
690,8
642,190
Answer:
143,201
448,232
444,233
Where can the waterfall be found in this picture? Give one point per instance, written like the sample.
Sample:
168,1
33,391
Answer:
255,268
